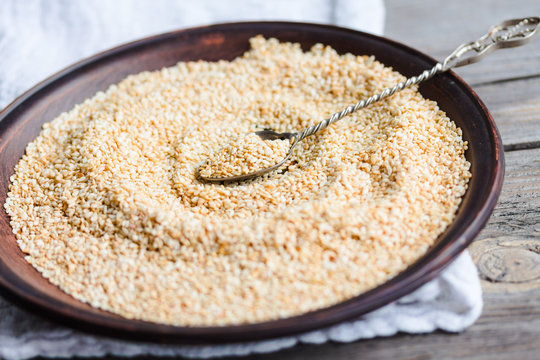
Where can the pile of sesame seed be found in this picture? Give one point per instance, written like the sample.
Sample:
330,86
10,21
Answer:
107,205
244,155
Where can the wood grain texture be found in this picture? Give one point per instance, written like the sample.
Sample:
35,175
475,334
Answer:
515,106
508,250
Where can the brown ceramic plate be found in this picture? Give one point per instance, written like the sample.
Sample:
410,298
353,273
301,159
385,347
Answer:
21,122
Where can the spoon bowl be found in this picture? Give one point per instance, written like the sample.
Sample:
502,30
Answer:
265,134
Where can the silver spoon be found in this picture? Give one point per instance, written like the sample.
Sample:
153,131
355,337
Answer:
509,33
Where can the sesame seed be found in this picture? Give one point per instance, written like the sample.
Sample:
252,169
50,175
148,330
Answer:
107,205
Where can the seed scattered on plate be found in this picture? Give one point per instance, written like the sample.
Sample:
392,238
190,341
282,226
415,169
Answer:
106,203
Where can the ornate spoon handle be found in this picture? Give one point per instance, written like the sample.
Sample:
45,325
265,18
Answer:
509,33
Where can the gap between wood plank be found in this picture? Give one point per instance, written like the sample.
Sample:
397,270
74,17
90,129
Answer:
522,146
503,81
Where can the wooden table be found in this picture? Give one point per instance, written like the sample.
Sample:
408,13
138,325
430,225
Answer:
507,252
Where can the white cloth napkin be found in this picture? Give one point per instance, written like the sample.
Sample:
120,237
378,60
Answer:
40,37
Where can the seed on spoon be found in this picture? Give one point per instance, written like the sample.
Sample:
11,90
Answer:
244,155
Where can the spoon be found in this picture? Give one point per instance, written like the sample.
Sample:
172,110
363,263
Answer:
509,33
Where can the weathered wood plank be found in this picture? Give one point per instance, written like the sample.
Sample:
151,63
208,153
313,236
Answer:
487,346
515,106
508,250
437,28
